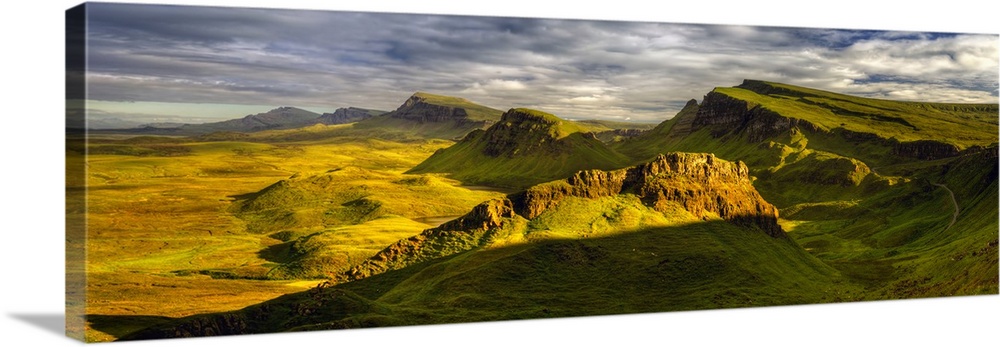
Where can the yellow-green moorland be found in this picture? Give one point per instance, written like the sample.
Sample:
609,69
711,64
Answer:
163,239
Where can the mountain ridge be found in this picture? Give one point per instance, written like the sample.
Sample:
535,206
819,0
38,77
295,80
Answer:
345,115
700,184
434,116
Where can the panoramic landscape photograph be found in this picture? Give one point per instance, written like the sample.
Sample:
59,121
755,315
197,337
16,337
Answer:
237,171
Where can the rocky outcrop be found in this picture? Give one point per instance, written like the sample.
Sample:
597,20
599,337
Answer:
701,183
525,147
418,109
346,115
523,131
461,234
487,215
925,149
764,88
208,325
724,114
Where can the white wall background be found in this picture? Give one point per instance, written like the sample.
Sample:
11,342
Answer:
31,197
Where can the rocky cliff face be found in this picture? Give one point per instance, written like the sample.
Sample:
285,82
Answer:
703,184
345,115
522,131
925,149
419,110
724,114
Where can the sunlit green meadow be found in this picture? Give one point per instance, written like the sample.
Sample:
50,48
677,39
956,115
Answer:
163,240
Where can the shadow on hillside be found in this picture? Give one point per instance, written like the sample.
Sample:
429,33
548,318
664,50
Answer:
702,265
696,266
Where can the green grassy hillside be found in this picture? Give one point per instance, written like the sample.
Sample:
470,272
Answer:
850,188
648,270
433,116
475,111
963,125
768,194
161,228
525,147
605,248
654,141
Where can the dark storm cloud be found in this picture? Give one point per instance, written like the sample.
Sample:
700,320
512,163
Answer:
571,68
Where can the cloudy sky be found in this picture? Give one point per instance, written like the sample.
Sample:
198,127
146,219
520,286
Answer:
170,63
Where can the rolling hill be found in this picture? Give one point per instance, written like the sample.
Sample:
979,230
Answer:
525,147
761,194
655,237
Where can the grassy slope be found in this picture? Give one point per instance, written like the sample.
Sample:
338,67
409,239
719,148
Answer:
387,125
598,125
384,125
652,143
474,111
901,241
331,221
562,150
160,231
879,235
883,226
961,124
350,195
632,260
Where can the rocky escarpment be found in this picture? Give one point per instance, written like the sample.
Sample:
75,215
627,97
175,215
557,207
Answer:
419,109
701,184
523,131
347,115
461,234
616,135
925,149
724,114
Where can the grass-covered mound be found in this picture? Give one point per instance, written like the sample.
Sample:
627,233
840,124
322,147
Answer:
525,147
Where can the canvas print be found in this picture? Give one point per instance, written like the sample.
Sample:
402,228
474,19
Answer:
242,171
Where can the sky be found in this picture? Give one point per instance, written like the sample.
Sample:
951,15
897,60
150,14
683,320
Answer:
150,63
